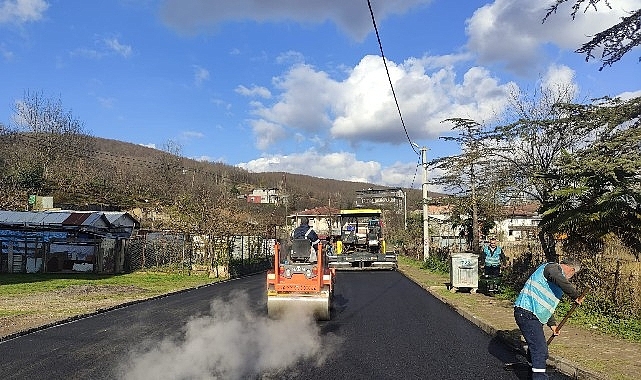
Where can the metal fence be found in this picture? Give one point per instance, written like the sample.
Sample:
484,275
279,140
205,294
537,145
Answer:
219,256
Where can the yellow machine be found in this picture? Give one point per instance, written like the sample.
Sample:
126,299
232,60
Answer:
361,244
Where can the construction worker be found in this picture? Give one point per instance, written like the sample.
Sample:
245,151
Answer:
304,231
493,257
535,307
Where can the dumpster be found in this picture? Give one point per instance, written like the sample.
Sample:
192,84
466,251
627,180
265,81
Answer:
464,272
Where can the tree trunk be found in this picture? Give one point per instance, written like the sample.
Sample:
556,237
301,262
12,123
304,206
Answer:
548,245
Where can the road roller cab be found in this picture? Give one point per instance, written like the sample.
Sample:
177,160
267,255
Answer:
300,281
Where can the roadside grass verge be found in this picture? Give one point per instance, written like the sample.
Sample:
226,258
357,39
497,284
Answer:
153,283
592,315
29,301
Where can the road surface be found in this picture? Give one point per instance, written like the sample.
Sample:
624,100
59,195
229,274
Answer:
383,326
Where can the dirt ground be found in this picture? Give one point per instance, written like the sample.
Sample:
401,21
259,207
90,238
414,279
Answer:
29,312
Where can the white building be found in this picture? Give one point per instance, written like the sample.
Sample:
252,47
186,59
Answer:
520,223
264,196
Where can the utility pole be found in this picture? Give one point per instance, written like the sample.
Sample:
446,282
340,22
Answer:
426,224
405,209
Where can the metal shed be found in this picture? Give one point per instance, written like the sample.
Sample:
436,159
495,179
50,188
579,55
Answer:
54,241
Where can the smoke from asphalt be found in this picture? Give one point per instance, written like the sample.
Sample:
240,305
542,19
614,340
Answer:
233,342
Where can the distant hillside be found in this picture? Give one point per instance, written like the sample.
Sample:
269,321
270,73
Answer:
82,170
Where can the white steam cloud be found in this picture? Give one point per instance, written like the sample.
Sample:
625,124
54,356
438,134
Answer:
232,343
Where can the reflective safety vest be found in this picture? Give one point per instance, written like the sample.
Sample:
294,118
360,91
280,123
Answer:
492,258
539,296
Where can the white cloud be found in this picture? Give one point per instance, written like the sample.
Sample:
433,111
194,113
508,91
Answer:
341,165
252,91
21,11
361,107
106,102
104,47
512,32
367,110
559,79
204,158
303,103
629,95
200,75
87,53
266,133
7,55
191,16
189,135
116,46
290,57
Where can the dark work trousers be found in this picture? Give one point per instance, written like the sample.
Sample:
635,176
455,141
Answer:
532,330
492,271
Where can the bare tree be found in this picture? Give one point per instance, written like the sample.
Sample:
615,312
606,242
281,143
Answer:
616,41
530,147
473,176
54,132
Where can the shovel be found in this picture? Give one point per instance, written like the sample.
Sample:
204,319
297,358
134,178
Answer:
511,366
567,315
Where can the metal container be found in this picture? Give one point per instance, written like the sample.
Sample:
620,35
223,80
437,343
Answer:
464,272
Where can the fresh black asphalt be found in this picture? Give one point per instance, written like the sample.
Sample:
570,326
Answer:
383,326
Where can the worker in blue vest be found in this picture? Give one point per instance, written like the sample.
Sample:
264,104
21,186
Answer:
493,258
535,307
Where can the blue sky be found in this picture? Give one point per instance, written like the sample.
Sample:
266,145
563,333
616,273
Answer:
297,86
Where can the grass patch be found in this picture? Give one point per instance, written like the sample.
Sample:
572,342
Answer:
405,260
590,316
14,285
31,300
422,275
594,314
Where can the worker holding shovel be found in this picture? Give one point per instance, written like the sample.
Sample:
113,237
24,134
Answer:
535,307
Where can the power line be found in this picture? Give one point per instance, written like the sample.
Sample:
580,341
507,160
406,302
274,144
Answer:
415,172
380,45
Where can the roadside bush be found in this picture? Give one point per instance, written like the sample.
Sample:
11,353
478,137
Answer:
438,261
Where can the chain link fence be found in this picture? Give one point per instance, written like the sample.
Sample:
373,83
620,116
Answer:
219,256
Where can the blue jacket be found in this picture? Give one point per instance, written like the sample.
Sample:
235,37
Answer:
539,295
492,257
304,231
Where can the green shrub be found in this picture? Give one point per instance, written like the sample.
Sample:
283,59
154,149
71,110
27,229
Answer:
436,264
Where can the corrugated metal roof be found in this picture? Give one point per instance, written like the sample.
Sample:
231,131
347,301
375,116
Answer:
76,219
31,218
95,222
53,218
121,219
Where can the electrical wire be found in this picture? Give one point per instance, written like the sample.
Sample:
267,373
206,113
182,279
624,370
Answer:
415,172
398,107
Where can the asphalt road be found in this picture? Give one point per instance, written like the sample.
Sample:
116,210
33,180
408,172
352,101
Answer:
383,326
